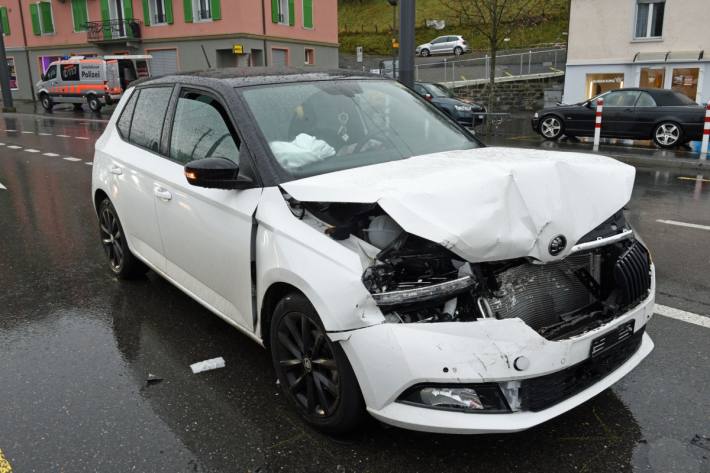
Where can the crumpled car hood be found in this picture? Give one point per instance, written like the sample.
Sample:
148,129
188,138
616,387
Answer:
485,204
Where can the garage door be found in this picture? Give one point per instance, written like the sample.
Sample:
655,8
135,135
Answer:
278,57
163,62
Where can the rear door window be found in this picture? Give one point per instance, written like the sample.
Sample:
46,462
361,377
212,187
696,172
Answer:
201,129
148,117
69,72
124,123
645,100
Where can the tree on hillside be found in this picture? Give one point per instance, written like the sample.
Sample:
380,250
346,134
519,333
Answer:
495,20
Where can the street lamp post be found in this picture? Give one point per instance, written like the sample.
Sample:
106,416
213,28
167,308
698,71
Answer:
406,42
393,3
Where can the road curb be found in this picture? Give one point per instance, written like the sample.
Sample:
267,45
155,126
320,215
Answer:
676,163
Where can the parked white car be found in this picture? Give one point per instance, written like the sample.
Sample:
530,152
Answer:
388,261
444,45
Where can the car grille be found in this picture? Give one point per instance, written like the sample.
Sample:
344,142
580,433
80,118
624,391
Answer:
540,393
632,275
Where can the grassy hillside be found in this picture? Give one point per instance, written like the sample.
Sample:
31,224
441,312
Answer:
368,23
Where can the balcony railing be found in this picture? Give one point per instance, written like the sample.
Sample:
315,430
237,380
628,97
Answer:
112,30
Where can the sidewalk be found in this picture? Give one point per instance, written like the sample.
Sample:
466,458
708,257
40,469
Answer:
62,111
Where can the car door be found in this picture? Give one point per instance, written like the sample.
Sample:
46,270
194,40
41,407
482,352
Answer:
438,44
618,118
206,232
579,119
50,79
645,114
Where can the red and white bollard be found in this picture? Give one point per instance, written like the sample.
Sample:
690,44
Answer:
598,123
706,134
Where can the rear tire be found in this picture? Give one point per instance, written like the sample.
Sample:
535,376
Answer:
121,261
458,51
551,127
313,372
94,103
46,102
668,135
425,52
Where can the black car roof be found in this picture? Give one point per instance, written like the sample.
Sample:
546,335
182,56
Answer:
663,97
244,77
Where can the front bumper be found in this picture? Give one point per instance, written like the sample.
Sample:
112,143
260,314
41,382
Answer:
535,123
390,358
471,119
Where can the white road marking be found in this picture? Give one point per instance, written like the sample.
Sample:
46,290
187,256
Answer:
15,147
81,137
2,144
44,134
71,159
11,130
28,132
89,164
682,315
683,224
50,154
2,187
31,150
63,136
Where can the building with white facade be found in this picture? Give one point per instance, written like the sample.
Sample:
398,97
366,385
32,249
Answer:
638,43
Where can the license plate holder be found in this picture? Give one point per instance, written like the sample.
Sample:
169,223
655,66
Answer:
609,340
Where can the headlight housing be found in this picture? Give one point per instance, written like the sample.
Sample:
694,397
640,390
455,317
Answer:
463,108
471,398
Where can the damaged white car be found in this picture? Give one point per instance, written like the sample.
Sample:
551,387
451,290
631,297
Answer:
390,262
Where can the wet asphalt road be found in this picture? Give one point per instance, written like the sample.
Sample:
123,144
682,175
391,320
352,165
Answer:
76,346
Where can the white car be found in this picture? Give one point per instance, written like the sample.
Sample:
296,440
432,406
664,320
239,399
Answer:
389,262
444,45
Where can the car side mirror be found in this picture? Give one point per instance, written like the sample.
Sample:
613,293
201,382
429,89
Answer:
216,173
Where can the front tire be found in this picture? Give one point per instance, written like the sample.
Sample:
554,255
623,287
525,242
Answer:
313,372
668,135
551,127
46,102
121,261
425,52
94,103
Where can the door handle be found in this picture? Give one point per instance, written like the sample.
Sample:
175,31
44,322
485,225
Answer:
116,170
162,194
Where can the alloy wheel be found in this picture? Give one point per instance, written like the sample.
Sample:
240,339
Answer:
111,238
550,127
307,364
667,134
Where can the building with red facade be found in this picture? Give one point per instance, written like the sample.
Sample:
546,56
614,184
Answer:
180,35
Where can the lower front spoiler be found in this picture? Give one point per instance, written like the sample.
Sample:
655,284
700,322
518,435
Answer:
439,421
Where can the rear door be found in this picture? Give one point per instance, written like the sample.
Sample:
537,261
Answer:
113,77
207,232
136,166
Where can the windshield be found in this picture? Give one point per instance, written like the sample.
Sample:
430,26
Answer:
325,126
437,90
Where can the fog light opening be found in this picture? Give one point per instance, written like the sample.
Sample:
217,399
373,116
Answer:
481,398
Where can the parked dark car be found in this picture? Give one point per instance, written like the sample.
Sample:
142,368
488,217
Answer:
465,112
667,117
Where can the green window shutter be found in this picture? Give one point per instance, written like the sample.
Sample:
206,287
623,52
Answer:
274,11
127,9
45,9
78,9
308,13
34,13
5,21
216,9
146,13
105,16
291,13
187,7
169,11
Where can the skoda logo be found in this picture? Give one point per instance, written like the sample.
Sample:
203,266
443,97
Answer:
557,244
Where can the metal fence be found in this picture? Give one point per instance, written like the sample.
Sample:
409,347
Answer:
507,65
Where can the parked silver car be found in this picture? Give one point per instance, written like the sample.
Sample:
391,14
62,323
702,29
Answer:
444,45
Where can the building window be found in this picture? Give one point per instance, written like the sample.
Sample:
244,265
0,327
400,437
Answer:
685,81
80,15
5,21
310,57
158,15
649,18
202,10
600,83
652,77
42,20
282,12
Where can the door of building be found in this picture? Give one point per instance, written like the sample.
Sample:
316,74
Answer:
164,62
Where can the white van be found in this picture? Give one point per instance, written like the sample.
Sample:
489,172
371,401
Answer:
97,81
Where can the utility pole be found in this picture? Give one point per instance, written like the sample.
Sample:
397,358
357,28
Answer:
406,42
7,105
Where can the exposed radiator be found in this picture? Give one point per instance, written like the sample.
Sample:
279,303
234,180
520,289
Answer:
539,293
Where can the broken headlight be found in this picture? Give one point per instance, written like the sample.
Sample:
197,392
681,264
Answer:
476,398
444,290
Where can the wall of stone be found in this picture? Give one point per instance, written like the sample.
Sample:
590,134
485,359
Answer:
515,96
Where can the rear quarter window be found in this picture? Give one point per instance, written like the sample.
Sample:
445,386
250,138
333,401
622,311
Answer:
124,122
